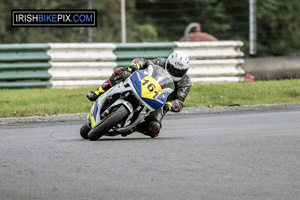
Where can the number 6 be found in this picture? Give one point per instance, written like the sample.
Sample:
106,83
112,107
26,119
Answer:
151,87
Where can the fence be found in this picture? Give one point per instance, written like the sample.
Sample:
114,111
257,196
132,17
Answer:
81,64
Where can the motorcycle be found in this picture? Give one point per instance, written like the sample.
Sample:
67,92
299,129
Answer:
128,103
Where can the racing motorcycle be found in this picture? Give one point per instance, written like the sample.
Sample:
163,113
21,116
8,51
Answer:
128,103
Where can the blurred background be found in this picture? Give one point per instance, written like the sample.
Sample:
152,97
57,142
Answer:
277,22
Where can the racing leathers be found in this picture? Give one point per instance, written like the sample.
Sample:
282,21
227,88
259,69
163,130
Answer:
152,124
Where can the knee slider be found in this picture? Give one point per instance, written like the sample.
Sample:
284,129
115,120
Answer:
153,127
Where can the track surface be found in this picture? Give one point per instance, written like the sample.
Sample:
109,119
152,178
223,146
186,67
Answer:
245,155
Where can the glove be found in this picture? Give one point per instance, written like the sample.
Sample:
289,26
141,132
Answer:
92,96
167,107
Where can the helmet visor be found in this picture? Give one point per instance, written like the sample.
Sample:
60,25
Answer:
175,71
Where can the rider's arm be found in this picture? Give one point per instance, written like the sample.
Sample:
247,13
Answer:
183,89
141,63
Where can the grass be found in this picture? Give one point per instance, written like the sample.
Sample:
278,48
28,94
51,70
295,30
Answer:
262,92
46,101
50,101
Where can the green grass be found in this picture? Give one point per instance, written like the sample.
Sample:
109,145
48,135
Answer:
253,93
30,102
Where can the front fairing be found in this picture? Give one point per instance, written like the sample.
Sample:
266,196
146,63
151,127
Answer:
153,85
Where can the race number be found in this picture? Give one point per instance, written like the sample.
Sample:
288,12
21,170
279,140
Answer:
150,88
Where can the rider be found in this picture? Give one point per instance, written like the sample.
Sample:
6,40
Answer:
177,64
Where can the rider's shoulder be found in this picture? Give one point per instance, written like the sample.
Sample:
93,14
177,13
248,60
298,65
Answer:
185,81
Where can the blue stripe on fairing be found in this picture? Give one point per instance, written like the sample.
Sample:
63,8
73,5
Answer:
136,81
95,109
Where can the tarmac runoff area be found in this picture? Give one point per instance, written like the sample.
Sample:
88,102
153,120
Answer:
187,110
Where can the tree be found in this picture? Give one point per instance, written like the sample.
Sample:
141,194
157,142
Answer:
278,29
278,26
172,17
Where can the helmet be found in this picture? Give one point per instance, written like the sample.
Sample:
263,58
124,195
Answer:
177,65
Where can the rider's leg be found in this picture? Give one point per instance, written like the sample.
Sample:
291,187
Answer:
118,76
152,124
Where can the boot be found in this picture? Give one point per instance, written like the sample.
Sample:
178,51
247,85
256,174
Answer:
93,95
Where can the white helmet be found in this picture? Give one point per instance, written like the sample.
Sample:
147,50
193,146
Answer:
177,65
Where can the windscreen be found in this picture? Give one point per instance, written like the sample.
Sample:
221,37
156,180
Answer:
161,76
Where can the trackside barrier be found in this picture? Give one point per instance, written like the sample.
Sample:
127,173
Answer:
126,52
24,65
214,61
83,64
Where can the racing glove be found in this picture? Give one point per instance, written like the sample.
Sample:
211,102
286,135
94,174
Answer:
174,106
167,107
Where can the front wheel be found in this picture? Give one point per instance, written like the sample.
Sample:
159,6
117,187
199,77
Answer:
84,131
114,118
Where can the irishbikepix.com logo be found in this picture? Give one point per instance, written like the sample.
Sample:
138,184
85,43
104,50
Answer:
54,18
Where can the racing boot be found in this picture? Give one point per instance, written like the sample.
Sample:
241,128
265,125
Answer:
151,128
93,95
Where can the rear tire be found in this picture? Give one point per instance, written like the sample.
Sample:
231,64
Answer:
111,120
84,131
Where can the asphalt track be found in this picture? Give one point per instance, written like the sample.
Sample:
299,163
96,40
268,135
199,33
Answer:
240,155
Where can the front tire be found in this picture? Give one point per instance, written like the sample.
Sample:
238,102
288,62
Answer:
84,131
114,118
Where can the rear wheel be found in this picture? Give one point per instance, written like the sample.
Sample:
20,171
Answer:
114,118
84,131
